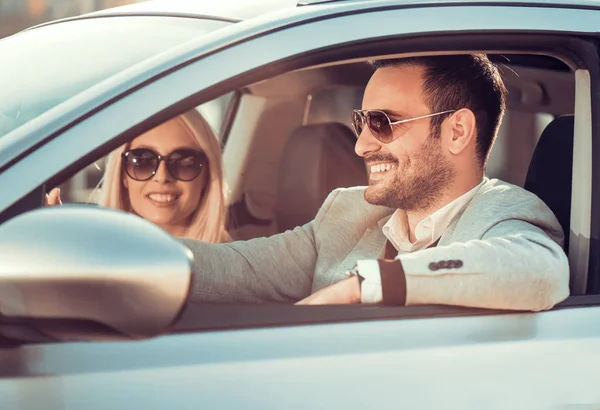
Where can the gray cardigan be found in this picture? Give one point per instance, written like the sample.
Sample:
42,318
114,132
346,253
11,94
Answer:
507,239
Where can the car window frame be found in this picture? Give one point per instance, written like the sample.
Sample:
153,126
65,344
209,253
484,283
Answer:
223,40
178,96
215,317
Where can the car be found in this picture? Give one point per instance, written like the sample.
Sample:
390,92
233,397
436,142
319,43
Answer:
94,302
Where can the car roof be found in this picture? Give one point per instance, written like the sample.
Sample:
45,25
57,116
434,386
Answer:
550,3
236,10
221,9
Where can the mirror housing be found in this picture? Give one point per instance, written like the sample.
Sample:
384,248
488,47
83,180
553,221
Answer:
65,266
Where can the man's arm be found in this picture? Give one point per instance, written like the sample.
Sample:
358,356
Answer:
516,265
275,269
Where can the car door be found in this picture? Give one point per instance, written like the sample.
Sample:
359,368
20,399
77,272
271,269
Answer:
330,357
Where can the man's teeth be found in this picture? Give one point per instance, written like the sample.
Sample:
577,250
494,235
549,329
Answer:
381,167
162,197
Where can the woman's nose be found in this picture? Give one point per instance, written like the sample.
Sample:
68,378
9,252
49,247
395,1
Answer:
162,174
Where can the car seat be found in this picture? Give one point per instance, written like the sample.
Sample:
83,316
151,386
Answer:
551,167
316,160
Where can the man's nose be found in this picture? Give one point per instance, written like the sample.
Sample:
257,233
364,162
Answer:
366,143
162,174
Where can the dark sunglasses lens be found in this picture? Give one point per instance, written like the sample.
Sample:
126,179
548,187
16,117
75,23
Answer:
380,126
140,164
357,122
186,165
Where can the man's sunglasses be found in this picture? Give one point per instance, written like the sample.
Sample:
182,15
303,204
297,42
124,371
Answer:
380,124
141,164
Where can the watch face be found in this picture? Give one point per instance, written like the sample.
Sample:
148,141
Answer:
354,272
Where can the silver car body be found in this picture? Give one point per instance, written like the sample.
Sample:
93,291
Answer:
333,359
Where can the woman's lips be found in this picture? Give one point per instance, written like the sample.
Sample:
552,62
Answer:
162,200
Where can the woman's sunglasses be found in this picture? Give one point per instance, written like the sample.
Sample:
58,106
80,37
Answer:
141,164
380,124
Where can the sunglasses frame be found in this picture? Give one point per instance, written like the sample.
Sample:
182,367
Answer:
364,116
125,155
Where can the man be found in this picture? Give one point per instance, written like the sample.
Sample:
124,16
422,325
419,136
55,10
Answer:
429,228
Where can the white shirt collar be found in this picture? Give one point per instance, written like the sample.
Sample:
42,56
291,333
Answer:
429,229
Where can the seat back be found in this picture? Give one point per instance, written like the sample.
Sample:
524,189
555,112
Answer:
551,168
316,159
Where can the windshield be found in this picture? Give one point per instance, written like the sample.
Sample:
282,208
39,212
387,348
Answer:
44,67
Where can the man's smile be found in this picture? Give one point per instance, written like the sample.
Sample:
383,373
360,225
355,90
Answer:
382,167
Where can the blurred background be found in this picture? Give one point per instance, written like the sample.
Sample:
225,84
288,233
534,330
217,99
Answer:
16,15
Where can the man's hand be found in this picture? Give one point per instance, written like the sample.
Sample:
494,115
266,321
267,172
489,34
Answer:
343,292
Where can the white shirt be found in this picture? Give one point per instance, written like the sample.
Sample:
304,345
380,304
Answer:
396,230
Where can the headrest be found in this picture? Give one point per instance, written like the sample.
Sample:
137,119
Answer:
316,160
551,167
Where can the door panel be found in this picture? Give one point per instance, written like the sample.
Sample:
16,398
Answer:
515,361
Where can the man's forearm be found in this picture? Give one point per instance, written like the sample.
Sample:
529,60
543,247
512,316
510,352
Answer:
259,270
525,271
501,273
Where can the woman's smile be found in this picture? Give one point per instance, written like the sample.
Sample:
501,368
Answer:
163,199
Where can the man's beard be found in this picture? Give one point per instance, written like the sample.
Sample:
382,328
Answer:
413,188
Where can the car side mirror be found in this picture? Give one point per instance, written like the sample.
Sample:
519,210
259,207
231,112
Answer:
87,273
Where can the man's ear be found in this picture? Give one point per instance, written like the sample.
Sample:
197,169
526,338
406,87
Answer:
462,130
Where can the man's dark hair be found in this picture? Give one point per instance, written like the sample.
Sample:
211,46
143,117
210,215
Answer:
461,81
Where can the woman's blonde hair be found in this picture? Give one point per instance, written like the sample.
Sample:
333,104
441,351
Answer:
209,221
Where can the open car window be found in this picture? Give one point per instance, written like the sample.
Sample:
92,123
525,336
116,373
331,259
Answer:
289,101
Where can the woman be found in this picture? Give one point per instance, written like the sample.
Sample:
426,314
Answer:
172,176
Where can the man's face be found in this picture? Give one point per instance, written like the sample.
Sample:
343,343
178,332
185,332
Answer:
411,172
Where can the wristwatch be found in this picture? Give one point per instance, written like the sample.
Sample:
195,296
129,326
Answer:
354,272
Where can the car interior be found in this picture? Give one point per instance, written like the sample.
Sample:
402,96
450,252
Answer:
287,141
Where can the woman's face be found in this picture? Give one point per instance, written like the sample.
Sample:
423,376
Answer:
162,199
